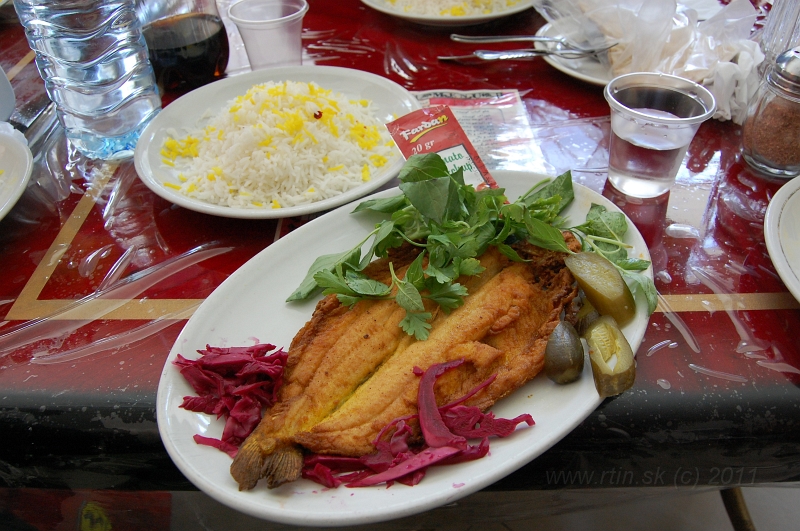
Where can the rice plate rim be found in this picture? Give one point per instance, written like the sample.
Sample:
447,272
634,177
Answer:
390,101
435,20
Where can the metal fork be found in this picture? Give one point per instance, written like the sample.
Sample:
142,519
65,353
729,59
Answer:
480,56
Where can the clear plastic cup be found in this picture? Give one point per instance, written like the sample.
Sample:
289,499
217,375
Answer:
653,120
271,30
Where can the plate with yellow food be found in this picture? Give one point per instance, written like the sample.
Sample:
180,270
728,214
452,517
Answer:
449,12
274,143
413,351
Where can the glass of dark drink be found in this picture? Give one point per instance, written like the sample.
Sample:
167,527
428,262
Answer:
187,42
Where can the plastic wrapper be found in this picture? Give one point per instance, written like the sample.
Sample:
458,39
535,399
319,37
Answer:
666,36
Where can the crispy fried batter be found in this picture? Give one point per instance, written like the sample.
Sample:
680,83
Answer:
350,371
329,357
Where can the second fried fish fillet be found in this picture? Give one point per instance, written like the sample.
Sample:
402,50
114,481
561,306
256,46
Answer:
502,329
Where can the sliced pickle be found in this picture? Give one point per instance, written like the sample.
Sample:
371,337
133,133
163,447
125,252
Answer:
603,285
563,355
585,317
613,366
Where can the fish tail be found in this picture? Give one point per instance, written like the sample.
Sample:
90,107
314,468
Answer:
268,458
283,465
250,459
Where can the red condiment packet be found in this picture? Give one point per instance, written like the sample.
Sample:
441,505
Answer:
436,130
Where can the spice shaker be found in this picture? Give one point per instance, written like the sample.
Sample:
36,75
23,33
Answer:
771,130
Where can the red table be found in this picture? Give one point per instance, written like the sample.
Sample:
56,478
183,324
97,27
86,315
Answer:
715,400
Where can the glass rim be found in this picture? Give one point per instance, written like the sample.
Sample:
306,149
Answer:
702,95
301,5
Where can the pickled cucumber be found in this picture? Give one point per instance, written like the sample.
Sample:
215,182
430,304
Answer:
603,286
611,356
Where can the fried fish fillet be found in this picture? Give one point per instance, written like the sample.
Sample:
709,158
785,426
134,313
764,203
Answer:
350,371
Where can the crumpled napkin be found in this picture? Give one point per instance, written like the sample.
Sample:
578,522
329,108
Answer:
7,129
665,36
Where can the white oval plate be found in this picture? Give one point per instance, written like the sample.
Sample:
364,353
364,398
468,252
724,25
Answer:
16,163
249,307
439,20
7,99
586,69
782,234
390,102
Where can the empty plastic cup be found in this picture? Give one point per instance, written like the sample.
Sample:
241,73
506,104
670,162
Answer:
271,30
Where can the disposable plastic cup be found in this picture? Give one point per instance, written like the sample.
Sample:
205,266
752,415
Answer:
654,118
271,30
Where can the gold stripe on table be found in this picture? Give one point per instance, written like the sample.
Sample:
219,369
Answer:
729,302
179,309
14,70
28,306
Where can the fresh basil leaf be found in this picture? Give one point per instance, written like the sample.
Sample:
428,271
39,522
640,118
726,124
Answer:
455,196
386,205
509,251
365,286
633,264
325,262
423,167
458,176
414,273
407,296
644,284
333,283
561,186
384,239
545,236
483,237
614,252
601,222
430,197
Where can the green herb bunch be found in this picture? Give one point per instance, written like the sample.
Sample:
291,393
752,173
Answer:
454,224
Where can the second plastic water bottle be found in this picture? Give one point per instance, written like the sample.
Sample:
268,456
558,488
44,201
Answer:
93,59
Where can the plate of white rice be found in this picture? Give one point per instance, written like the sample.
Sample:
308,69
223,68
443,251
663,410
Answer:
449,12
274,143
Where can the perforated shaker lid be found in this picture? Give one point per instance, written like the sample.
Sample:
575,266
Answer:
786,72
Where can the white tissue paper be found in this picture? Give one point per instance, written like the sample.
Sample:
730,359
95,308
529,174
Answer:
666,36
7,129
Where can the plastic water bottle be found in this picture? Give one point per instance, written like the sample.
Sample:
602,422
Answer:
93,59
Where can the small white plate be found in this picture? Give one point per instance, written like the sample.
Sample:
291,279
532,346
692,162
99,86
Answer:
782,234
390,102
16,165
249,307
586,69
7,99
440,20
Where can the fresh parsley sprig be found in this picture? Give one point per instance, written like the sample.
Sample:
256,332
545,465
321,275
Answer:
453,224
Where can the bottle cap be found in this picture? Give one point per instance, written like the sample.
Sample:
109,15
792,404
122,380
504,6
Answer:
785,74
